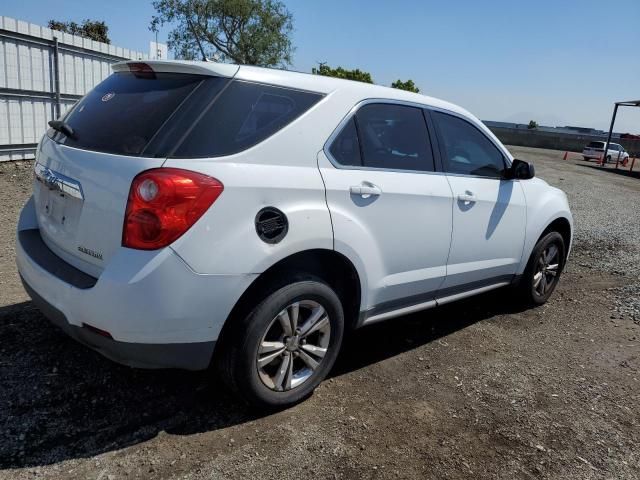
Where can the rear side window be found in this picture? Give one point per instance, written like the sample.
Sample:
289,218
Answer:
123,113
387,136
244,115
466,150
394,137
345,149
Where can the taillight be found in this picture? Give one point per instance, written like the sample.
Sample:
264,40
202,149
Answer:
141,70
163,204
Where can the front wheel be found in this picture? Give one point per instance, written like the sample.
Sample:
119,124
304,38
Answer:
543,270
279,353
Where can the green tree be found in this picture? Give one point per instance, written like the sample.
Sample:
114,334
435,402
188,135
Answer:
339,72
93,29
248,32
409,86
532,125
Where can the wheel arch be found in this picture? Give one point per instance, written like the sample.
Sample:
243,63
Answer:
330,266
562,225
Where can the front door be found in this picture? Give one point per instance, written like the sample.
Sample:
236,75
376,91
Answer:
388,207
489,211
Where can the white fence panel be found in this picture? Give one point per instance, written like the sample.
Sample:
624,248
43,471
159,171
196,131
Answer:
29,93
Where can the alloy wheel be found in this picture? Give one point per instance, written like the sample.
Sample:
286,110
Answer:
294,345
547,269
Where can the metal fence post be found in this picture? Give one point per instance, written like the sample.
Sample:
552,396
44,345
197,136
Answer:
606,146
56,72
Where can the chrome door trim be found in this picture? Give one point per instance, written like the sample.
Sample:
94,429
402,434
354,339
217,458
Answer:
399,312
58,182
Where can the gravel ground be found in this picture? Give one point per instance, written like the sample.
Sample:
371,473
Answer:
480,389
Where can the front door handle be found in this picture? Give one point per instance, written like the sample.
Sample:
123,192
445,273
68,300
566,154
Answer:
365,190
467,198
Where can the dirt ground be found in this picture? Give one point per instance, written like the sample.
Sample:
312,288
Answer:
479,389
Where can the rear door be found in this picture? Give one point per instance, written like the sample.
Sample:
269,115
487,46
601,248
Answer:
388,206
489,211
83,180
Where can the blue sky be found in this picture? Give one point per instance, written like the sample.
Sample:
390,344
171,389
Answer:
558,62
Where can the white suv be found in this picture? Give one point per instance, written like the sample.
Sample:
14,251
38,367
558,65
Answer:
615,152
190,214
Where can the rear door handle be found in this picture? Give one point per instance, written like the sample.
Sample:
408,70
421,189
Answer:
467,197
365,190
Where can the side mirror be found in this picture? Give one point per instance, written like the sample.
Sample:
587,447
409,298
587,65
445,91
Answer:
520,170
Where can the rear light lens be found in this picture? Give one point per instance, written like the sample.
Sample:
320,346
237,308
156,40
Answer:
163,204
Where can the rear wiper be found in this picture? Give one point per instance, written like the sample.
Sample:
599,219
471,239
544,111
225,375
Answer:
60,126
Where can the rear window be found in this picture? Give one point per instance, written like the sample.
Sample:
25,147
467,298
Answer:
123,113
244,115
596,145
180,115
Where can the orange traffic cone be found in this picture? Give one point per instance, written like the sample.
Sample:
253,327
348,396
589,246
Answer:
566,154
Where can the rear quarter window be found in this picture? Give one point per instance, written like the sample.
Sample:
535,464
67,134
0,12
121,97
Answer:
244,115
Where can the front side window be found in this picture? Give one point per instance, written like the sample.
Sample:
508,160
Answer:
466,150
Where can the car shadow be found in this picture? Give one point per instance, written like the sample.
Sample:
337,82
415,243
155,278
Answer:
616,171
62,401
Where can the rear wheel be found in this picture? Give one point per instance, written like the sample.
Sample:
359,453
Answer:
279,353
543,270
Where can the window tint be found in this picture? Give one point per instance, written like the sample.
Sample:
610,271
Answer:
122,113
244,115
596,145
466,150
613,146
346,148
394,137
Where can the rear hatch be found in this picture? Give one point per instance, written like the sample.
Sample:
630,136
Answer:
595,147
127,124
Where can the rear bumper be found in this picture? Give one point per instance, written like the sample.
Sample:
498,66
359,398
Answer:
159,313
188,356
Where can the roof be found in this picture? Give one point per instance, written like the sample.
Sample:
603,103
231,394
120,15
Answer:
298,80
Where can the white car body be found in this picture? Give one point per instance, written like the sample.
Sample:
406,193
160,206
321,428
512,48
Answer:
414,239
595,150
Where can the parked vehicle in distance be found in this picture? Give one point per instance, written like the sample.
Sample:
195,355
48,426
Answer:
615,152
189,214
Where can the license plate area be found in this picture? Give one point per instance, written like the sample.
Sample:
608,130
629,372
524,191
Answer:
59,202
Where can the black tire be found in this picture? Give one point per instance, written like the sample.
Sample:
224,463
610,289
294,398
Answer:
530,289
586,159
608,159
238,358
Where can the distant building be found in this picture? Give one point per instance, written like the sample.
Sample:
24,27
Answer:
543,128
